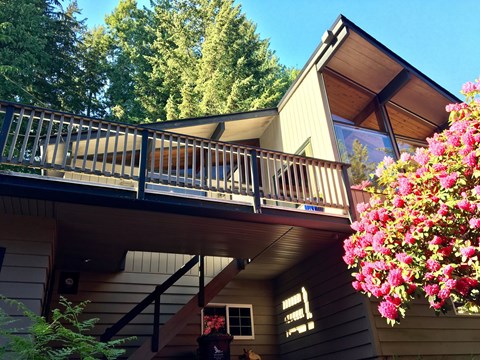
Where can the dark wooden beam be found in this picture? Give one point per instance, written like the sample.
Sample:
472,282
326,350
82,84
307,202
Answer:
219,130
389,91
394,86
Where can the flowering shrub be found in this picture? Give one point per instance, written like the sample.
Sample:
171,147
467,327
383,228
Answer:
422,233
213,324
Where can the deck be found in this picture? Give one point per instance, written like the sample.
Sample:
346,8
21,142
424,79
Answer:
143,189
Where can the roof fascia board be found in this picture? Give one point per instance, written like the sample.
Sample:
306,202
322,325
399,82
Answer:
331,50
319,51
398,59
214,119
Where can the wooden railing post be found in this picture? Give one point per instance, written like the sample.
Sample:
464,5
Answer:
257,204
346,181
142,165
7,122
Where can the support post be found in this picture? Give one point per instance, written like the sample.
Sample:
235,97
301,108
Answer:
348,190
201,282
257,205
156,324
7,122
143,165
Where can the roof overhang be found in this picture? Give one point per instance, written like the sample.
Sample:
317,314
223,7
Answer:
348,55
228,127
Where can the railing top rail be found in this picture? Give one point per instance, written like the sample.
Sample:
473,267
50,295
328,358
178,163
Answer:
19,106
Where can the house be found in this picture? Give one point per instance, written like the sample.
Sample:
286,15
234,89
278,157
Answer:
261,200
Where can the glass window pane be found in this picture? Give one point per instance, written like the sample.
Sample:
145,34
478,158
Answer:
362,149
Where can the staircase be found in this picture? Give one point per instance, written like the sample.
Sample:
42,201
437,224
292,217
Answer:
162,335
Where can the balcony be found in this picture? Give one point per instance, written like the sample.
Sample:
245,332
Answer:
131,157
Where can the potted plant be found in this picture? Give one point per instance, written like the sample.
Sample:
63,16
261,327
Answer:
214,343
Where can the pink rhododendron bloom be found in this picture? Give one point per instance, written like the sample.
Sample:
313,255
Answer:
437,305
467,251
474,223
437,148
409,239
362,207
404,186
466,205
395,277
470,87
436,240
476,189
404,258
433,265
394,299
447,270
447,181
439,167
398,202
468,139
388,310
443,210
450,284
421,156
357,286
432,289
453,140
455,107
405,156
357,226
444,294
470,159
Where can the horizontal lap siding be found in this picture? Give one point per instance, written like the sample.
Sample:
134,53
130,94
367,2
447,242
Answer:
341,326
29,243
257,293
423,335
112,295
302,117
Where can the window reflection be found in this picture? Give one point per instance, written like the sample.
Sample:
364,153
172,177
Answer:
362,149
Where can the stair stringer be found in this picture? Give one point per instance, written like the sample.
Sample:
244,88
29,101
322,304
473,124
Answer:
178,321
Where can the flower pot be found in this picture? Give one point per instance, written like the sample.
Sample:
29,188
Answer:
214,347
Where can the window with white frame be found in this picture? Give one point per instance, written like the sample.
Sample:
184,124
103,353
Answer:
238,319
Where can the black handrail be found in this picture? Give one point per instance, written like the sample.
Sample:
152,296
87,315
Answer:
154,296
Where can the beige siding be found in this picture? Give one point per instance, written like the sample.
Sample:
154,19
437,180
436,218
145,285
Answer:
29,243
341,324
304,116
257,293
423,335
112,295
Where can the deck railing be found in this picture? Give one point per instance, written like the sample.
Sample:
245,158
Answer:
71,146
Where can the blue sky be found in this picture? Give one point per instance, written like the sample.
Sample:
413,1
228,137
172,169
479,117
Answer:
438,37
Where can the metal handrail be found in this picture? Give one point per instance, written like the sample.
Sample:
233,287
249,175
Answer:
154,296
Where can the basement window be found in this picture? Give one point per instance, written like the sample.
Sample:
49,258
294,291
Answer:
238,319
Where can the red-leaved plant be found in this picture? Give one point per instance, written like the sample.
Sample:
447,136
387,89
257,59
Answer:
213,324
420,232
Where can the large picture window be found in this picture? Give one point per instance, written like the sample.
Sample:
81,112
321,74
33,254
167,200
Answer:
238,319
363,149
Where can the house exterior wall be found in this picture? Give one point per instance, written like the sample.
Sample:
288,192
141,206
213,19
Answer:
29,243
422,335
112,295
304,116
340,316
257,293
